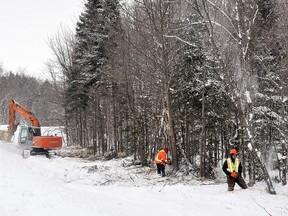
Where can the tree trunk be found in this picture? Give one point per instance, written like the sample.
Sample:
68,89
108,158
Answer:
101,125
172,132
203,140
284,164
283,125
94,129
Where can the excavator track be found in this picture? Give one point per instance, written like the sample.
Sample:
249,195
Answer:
49,153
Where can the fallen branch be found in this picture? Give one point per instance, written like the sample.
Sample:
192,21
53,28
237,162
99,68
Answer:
260,206
105,182
131,178
163,187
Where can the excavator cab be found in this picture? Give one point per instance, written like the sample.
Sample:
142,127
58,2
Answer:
26,135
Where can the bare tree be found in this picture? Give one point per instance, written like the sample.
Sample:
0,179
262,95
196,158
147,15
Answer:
157,21
60,68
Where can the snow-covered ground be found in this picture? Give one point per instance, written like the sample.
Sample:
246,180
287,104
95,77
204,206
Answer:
38,186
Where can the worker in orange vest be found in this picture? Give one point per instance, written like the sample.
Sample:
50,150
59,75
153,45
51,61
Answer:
161,160
233,169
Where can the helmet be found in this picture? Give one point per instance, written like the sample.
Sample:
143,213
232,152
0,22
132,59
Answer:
165,149
233,151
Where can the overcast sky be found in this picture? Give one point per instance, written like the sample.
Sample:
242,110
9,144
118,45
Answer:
26,26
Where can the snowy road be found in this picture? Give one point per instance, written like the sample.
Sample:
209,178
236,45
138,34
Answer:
38,186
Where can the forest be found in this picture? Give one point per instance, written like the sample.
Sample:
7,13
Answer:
198,76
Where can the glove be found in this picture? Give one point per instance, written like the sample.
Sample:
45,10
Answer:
169,163
234,174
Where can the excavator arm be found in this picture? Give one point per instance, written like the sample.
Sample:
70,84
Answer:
16,107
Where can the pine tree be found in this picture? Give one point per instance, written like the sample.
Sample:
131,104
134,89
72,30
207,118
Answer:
95,42
266,66
270,104
90,39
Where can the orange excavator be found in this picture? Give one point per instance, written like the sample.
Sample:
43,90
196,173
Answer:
30,136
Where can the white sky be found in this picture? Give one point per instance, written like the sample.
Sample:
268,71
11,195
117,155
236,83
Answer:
25,28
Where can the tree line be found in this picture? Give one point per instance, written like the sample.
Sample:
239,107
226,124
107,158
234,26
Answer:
40,97
197,76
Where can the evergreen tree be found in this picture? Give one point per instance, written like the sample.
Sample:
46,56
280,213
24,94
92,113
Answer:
95,43
95,37
264,66
89,52
270,121
90,38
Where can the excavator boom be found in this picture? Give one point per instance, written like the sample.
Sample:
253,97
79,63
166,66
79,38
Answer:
16,107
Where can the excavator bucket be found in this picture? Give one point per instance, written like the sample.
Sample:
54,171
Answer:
7,136
4,135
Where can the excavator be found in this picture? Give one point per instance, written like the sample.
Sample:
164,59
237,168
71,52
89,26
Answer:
30,136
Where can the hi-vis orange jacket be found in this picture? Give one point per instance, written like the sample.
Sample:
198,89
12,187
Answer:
161,157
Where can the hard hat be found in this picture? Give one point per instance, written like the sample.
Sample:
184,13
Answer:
233,151
165,149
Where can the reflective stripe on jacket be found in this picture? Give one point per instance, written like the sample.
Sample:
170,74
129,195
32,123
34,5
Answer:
233,167
161,157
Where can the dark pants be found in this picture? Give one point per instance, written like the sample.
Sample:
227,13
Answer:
239,180
161,169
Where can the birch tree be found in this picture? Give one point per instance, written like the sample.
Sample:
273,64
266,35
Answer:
240,23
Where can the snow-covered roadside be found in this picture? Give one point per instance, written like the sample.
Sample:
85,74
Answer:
66,186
